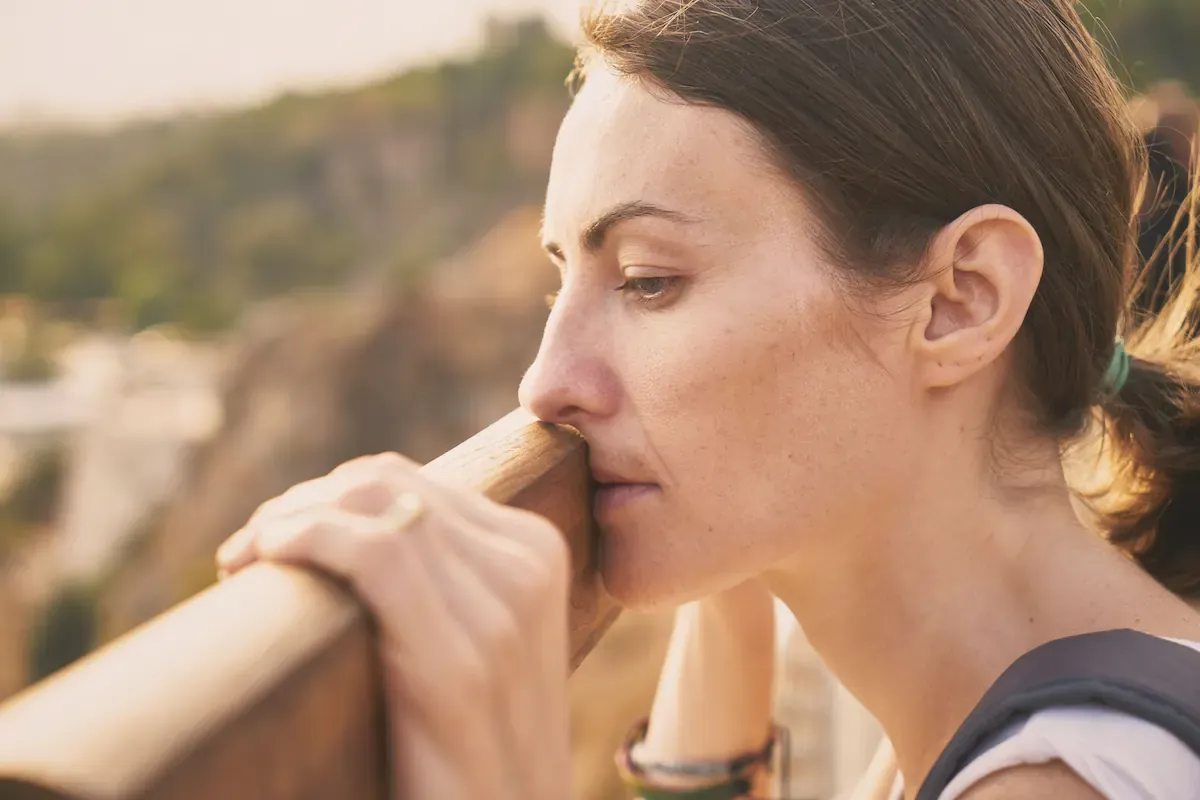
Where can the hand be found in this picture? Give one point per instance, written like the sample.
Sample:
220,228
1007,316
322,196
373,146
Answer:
471,602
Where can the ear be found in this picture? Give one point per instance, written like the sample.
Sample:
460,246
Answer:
984,269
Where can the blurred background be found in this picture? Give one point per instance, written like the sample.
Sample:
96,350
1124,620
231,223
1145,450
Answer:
242,241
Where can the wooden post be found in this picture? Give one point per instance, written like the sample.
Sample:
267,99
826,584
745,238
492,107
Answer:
265,687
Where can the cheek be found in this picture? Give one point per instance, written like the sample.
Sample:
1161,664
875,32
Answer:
786,388
769,429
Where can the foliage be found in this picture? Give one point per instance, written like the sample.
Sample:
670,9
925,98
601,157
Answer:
64,633
306,191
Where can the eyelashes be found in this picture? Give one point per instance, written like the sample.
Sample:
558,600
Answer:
648,290
645,292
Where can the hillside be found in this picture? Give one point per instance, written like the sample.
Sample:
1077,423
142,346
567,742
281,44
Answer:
188,222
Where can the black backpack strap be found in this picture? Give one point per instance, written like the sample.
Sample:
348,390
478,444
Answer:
1153,679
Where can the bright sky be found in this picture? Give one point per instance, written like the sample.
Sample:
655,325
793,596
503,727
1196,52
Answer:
99,60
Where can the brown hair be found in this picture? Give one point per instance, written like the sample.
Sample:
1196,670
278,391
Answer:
901,116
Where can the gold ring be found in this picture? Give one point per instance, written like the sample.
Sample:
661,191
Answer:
406,508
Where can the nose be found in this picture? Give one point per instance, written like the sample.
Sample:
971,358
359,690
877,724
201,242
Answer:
570,381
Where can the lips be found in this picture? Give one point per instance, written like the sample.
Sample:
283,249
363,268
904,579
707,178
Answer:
617,491
605,476
613,497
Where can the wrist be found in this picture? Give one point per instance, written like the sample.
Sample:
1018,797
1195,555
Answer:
714,693
727,776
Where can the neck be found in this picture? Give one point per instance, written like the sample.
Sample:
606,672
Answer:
947,591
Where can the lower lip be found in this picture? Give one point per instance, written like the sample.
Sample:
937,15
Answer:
613,496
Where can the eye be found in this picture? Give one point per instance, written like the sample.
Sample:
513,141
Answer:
649,290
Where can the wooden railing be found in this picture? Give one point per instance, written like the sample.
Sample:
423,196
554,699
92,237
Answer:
265,687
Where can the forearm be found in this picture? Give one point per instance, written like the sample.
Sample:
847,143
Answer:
714,693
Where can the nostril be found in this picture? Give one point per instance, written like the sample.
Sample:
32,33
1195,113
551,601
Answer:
547,410
568,414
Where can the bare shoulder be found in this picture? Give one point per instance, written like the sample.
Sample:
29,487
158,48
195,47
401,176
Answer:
1031,782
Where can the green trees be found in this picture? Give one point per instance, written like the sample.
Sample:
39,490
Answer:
307,191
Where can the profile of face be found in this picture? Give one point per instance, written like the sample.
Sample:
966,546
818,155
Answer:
741,406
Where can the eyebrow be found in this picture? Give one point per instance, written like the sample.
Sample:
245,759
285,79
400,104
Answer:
595,234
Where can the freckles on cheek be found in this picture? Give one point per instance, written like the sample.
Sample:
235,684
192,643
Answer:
689,376
716,393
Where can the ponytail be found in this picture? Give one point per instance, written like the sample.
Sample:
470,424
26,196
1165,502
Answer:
1153,437
1148,502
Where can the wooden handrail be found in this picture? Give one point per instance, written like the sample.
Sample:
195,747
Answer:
265,687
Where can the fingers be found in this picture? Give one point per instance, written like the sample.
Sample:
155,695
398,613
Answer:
290,529
338,541
236,553
367,486
392,561
348,486
317,490
470,597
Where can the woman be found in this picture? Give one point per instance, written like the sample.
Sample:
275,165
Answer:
840,282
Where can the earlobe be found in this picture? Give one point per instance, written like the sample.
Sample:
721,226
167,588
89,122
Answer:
984,269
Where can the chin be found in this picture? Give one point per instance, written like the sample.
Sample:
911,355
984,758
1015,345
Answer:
641,581
630,584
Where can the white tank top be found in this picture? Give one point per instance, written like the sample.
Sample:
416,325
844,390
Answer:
1121,757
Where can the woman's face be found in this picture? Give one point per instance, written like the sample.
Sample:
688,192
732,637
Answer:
740,407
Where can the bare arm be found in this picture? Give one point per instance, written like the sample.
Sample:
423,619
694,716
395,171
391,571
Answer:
1053,781
714,693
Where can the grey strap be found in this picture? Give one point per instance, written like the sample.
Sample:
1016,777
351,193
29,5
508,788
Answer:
1137,674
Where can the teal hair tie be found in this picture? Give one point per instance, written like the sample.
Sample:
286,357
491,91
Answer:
1118,370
